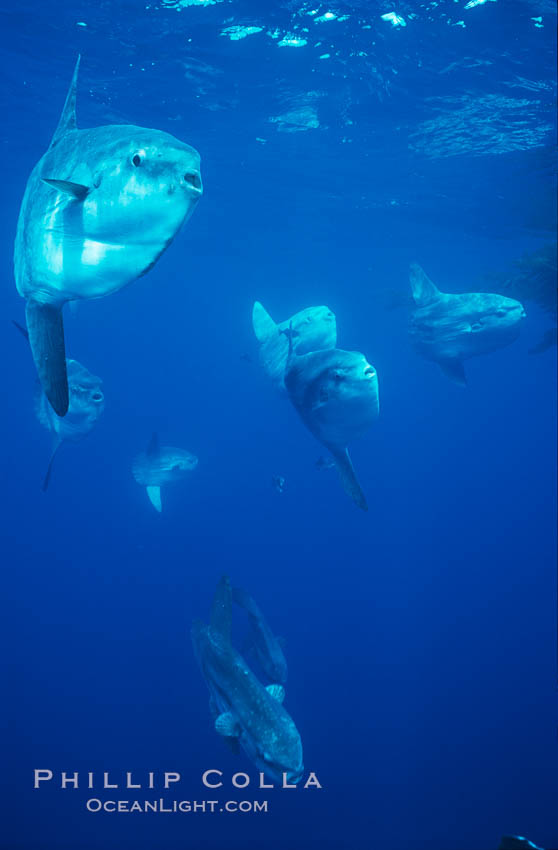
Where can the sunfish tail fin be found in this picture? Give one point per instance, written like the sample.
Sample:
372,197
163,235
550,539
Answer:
46,338
424,291
21,329
221,611
263,324
68,118
46,479
242,598
348,477
154,493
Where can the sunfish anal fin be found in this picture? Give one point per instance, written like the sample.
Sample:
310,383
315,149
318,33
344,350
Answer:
424,291
263,324
277,692
454,369
348,477
46,338
68,118
76,190
46,479
154,494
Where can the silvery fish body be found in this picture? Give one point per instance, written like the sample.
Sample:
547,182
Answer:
336,395
451,328
243,709
312,329
160,465
99,209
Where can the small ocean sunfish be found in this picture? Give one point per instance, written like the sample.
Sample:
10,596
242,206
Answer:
451,328
160,464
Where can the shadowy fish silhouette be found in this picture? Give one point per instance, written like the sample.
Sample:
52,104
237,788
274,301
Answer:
159,465
336,395
267,647
243,710
313,329
451,328
99,209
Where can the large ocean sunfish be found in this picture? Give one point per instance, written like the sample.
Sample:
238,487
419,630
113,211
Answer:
451,328
312,329
336,395
244,711
99,209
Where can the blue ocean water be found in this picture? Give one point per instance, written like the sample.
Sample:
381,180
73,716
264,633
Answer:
337,147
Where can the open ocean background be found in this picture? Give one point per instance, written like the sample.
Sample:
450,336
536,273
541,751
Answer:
421,637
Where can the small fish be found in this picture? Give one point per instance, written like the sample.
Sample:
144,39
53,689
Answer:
160,464
335,393
265,644
312,329
243,710
278,483
99,209
451,328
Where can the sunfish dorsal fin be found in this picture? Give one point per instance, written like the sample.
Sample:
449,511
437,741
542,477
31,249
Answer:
221,611
68,118
153,445
263,324
424,291
154,494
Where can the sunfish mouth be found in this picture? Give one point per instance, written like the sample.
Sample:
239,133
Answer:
369,371
193,181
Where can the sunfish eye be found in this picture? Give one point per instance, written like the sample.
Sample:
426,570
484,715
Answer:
97,396
137,159
193,179
501,312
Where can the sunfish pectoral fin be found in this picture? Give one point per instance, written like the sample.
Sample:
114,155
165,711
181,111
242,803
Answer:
46,479
277,692
68,118
263,324
46,338
154,494
424,291
226,725
348,477
76,190
454,369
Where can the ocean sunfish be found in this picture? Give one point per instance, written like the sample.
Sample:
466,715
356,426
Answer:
313,329
336,395
244,711
86,404
267,647
159,465
99,209
451,328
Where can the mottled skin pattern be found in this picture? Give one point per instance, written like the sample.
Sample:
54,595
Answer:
264,729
